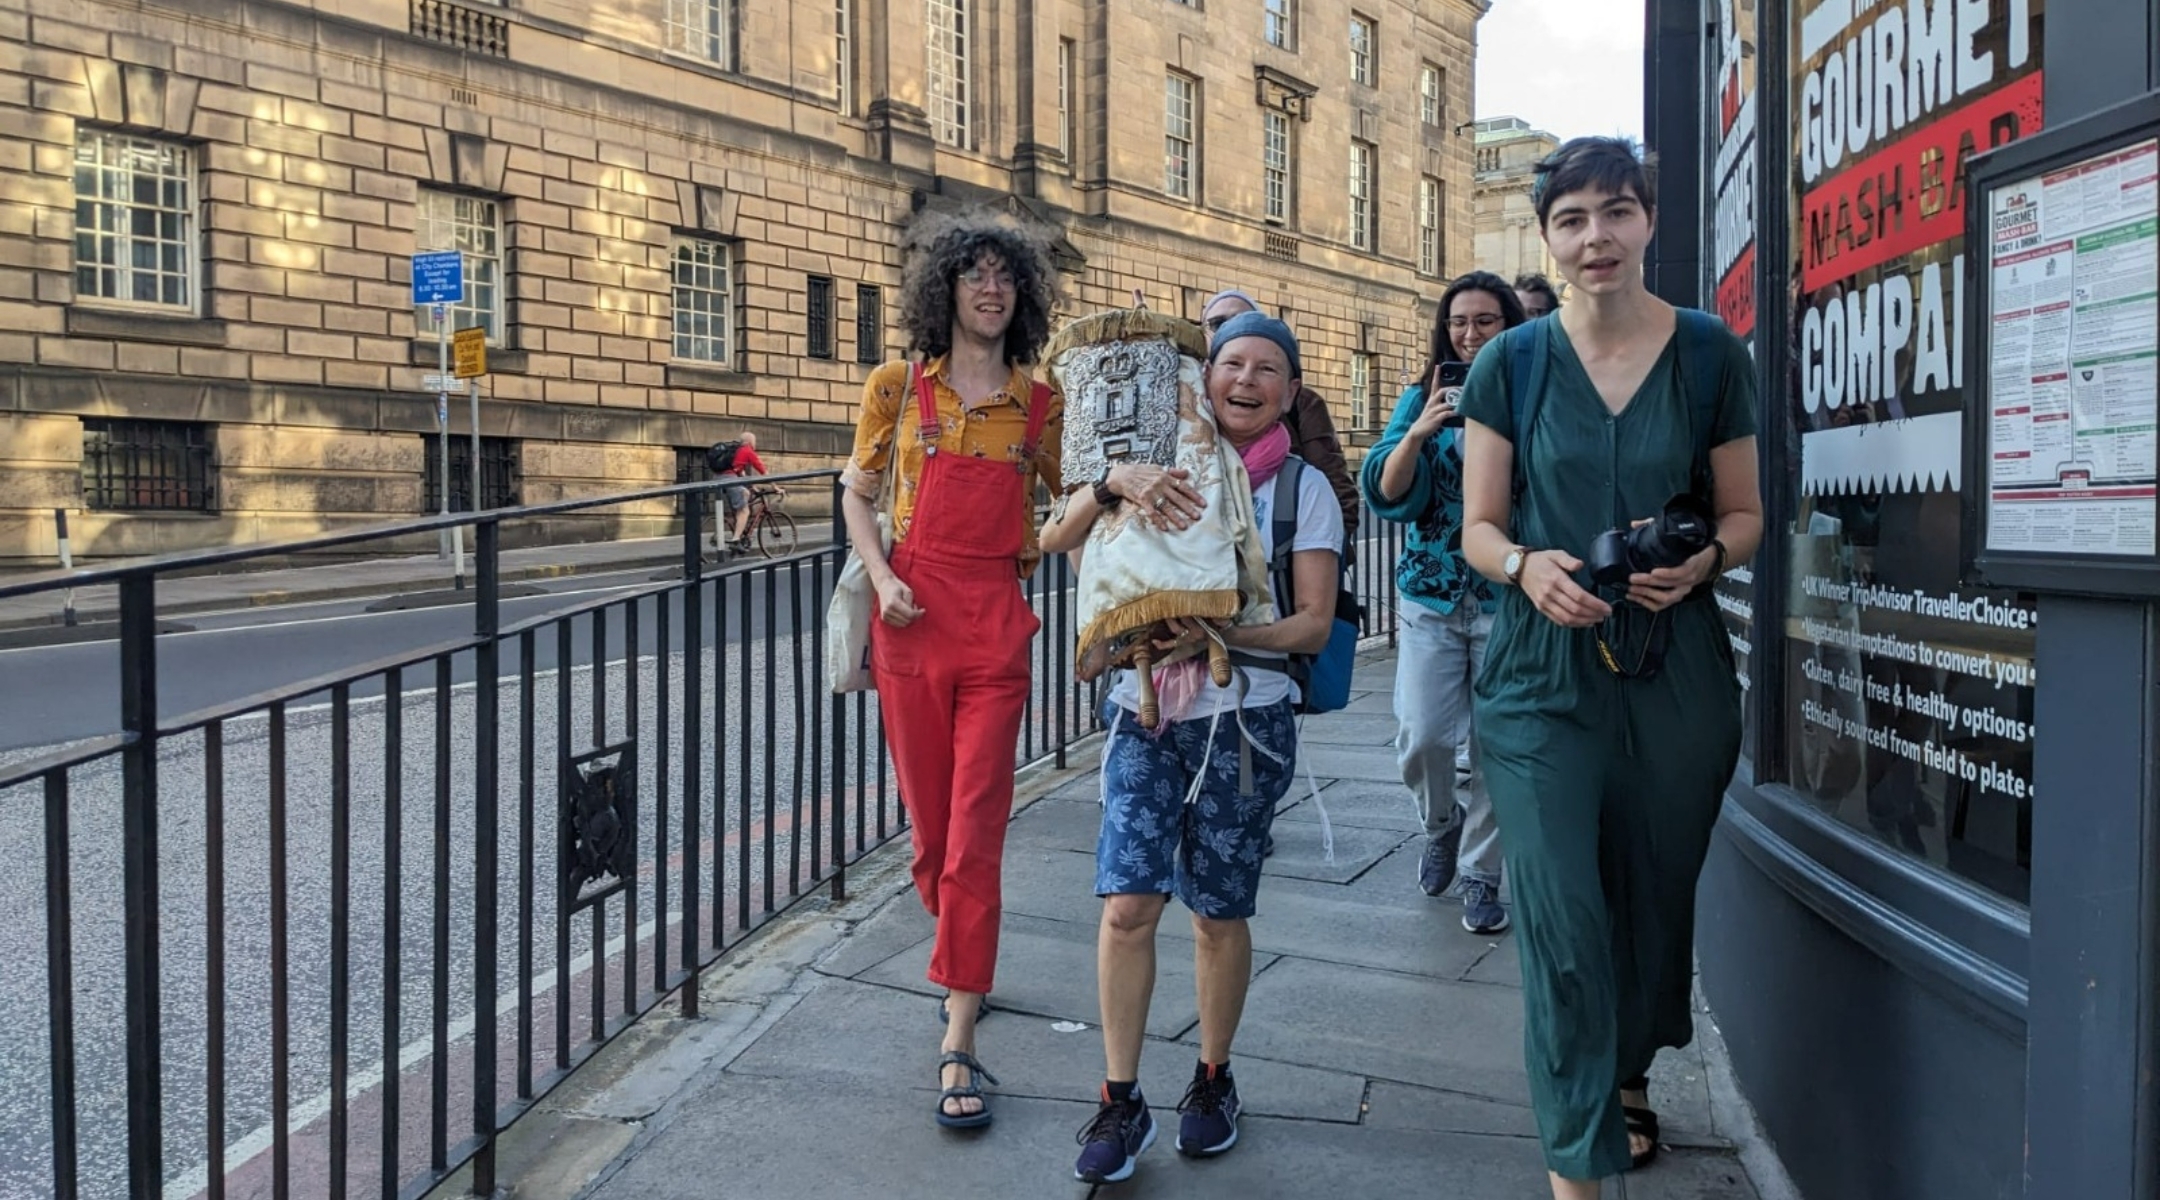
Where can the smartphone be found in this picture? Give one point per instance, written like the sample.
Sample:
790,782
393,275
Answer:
1448,382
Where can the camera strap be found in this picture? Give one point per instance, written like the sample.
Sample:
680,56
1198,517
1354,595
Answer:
1656,641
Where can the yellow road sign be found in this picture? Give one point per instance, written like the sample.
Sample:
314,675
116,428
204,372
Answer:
468,353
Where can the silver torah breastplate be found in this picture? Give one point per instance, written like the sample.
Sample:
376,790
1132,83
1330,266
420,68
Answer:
1121,405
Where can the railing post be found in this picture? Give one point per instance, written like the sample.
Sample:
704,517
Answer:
839,711
693,787
139,887
487,699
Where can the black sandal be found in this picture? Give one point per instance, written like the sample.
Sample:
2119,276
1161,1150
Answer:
982,1009
1641,1122
972,1089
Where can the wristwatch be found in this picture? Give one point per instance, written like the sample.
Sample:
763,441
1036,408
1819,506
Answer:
1104,497
1512,565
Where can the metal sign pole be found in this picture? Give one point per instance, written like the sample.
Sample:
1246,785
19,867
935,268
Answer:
472,389
442,426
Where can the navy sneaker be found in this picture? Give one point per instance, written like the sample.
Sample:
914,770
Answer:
1207,1124
1436,869
1481,911
1113,1139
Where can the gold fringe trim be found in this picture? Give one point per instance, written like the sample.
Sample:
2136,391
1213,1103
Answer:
1127,325
1214,605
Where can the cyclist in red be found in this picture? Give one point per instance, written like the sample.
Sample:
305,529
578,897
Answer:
746,464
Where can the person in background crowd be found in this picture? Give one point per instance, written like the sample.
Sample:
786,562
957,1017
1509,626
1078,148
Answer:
1608,713
1312,430
1413,475
970,434
1537,295
746,464
1186,806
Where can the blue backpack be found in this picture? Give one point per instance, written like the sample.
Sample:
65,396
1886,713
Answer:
1323,679
1530,348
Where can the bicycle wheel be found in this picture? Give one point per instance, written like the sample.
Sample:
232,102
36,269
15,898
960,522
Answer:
776,534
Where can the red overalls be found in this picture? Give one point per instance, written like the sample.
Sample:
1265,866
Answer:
952,686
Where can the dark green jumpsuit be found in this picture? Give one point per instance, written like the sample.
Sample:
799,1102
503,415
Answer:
1606,788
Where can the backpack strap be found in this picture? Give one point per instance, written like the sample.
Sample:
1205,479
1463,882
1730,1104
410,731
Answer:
1701,379
1529,352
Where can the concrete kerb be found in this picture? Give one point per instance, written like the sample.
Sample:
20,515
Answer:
580,1134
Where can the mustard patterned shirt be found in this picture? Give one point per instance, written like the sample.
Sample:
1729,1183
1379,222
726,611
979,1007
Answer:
995,429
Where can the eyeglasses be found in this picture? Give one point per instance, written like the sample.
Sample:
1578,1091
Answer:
1486,322
1534,311
976,277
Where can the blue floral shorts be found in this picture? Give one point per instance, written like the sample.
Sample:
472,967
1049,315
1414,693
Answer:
1207,852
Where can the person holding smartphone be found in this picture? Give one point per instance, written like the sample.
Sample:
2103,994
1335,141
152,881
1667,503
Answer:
1413,476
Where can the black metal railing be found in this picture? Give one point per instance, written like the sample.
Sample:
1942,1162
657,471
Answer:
344,931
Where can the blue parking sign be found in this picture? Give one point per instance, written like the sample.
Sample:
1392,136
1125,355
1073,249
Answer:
438,277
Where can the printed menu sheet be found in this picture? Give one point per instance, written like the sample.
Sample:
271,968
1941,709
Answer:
2073,457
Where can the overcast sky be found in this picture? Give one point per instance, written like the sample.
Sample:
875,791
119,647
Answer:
1569,67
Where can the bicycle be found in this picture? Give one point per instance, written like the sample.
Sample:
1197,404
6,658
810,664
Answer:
769,529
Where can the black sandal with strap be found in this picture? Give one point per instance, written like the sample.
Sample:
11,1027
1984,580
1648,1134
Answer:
1641,1122
971,1090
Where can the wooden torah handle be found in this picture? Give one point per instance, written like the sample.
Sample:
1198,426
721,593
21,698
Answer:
1218,662
1150,711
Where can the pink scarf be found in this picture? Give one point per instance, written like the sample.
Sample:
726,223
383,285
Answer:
1178,685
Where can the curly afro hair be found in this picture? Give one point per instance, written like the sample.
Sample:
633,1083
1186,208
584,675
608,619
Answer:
941,246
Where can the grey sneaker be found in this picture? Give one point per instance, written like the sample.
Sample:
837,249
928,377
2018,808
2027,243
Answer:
1436,868
1481,911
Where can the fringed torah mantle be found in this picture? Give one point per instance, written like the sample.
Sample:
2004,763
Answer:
1133,394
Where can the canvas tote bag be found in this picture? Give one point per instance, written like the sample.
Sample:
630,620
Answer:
854,600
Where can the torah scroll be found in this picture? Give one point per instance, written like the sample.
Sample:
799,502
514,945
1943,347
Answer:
1133,394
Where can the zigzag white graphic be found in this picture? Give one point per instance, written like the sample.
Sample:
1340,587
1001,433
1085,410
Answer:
1917,454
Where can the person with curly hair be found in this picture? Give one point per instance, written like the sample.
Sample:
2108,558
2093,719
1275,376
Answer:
971,435
1413,475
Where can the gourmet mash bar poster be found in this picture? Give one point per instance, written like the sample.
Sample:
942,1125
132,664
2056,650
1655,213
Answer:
1909,711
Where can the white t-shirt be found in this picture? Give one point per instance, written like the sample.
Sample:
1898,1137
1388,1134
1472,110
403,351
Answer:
1319,527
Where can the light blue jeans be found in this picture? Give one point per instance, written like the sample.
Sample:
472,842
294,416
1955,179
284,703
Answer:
1437,660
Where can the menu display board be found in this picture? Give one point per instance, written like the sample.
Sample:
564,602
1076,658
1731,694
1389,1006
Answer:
2073,439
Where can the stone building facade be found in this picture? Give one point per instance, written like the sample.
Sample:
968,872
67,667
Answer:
1507,238
679,218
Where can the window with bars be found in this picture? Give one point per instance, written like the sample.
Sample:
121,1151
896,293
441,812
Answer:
869,324
948,74
135,221
1432,90
146,466
704,300
1065,98
1276,23
1275,165
1361,379
1364,196
471,225
844,54
498,473
820,316
1180,133
1364,50
692,466
704,28
1429,245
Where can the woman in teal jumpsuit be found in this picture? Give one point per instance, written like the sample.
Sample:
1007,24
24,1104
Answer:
1606,770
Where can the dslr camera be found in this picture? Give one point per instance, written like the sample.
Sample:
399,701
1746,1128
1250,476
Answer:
1678,533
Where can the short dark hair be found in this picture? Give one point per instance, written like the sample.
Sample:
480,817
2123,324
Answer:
1537,285
1608,164
943,245
1511,312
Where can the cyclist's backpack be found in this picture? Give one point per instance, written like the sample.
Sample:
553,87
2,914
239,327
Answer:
1323,679
721,458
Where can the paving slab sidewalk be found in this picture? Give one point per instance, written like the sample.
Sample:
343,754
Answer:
1380,1054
